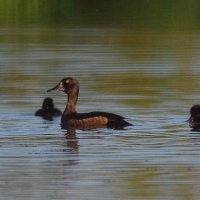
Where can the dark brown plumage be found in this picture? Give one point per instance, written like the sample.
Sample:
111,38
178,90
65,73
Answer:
194,120
70,118
48,111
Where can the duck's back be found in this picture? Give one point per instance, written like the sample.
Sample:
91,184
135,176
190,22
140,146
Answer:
94,120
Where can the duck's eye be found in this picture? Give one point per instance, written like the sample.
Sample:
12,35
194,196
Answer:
65,84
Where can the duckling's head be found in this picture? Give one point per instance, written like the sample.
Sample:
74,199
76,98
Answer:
47,103
194,120
67,85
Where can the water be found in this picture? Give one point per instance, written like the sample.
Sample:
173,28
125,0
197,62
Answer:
149,76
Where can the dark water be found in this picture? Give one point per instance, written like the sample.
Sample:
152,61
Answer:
150,77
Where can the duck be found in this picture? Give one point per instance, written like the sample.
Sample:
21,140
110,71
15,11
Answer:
194,120
48,111
91,120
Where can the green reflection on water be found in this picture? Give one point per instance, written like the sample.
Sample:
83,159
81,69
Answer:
155,14
149,88
139,183
16,84
148,182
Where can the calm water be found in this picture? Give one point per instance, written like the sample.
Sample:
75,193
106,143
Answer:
150,78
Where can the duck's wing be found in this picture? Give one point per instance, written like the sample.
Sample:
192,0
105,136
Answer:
110,119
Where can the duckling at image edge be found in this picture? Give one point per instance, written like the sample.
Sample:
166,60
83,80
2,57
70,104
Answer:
70,118
194,120
48,111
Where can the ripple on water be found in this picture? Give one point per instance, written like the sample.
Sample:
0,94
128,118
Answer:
147,82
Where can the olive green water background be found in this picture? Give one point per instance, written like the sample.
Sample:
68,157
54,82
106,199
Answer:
139,59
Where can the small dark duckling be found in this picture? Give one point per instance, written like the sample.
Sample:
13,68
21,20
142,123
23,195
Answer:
70,118
194,120
48,111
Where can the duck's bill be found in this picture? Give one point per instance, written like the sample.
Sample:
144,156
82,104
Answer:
56,88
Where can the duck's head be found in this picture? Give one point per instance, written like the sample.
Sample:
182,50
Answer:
47,103
194,120
67,85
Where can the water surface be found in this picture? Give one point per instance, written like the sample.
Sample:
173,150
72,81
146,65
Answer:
151,78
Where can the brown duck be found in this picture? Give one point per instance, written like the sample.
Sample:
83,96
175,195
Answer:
72,119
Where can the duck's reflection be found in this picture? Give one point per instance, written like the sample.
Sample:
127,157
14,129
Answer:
72,140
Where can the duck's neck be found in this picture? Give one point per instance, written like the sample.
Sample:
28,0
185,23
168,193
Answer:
71,103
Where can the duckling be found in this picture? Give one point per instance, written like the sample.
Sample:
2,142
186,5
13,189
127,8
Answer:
70,117
194,120
48,111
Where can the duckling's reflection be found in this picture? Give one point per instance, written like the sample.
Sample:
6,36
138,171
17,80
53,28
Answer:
195,131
